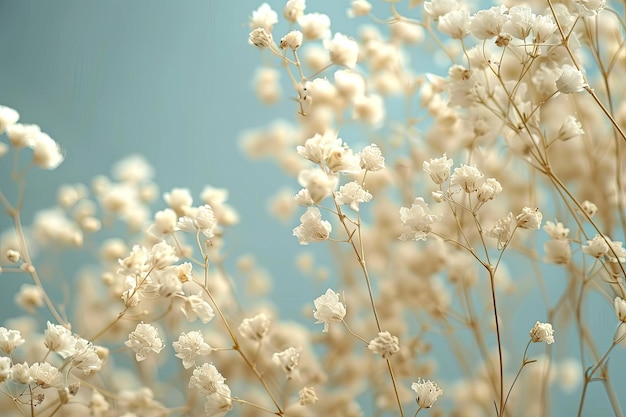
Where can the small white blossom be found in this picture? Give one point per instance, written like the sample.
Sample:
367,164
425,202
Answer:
437,8
556,230
503,230
46,152
312,227
200,219
328,309
372,158
427,392
206,378
318,183
218,403
589,208
307,396
189,346
59,339
570,128
292,40
352,193
343,50
20,373
287,359
293,10
255,328
529,218
45,375
5,362
21,135
455,24
557,251
315,26
542,332
143,340
196,307
418,219
620,308
467,177
260,38
438,169
8,117
179,200
359,8
263,17
487,24
162,255
570,81
543,28
384,344
10,339
86,356
597,247
488,190
319,147
520,22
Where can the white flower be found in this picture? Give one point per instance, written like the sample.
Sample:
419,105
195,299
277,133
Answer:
293,10
616,252
427,392
467,177
162,255
303,198
312,227
307,396
503,229
21,135
263,17
328,309
487,24
372,158
556,231
542,332
589,208
255,328
438,169
218,403
46,152
5,361
352,193
318,183
143,340
570,128
85,356
343,50
206,378
260,38
520,22
200,219
359,8
590,7
20,373
384,344
10,339
195,306
418,218
8,117
45,375
292,40
571,80
437,8
315,26
287,359
620,308
488,190
557,251
59,339
455,24
597,247
189,346
318,148
179,200
543,28
529,218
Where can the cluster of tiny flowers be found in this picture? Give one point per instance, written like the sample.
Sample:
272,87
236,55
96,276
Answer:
427,392
328,309
542,332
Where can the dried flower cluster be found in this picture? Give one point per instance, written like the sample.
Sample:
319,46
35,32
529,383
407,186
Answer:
434,211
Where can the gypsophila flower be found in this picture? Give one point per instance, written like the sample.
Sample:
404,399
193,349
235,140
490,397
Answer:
46,152
343,50
255,328
206,378
5,367
437,8
503,229
143,340
260,38
263,17
45,375
303,198
359,8
200,219
59,339
189,346
488,190
590,7
287,359
543,28
557,251
312,227
529,218
20,373
218,403
307,396
384,344
328,309
21,135
438,169
570,128
620,308
293,10
467,177
318,183
427,392
486,24
179,200
455,24
418,219
196,307
352,193
589,208
85,356
292,40
8,117
556,230
318,148
30,297
570,81
520,22
542,332
10,339
372,158
314,26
